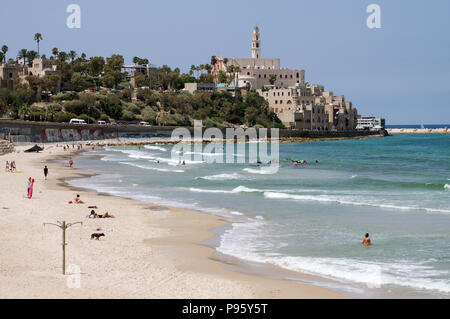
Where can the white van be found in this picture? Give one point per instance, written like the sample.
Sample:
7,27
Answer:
101,122
77,121
144,123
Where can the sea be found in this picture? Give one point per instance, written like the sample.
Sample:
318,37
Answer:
309,219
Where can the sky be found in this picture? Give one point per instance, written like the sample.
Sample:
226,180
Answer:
400,71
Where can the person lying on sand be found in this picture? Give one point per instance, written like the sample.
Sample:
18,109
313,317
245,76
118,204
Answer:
77,200
105,215
93,214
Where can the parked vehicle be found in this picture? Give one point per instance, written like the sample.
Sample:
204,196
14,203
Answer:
144,124
101,122
77,121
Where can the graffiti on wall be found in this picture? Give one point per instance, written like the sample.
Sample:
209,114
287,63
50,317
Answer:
60,135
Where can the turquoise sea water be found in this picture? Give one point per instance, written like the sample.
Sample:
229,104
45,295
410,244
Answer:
312,218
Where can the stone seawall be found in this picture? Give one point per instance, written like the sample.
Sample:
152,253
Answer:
6,147
42,132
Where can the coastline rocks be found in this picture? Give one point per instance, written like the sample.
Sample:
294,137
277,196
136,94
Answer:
6,147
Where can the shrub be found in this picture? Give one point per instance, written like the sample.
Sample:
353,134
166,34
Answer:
128,116
64,117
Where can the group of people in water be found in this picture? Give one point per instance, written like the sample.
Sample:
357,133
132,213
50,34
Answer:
296,162
10,167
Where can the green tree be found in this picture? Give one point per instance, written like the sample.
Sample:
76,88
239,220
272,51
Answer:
24,111
23,53
113,68
72,55
31,56
272,78
38,38
55,52
108,81
96,65
78,83
4,50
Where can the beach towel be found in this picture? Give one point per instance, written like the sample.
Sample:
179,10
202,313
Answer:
30,192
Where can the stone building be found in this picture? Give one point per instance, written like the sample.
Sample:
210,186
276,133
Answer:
257,72
12,74
309,107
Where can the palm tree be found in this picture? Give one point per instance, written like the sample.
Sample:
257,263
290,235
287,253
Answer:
24,110
72,55
51,110
4,50
55,52
31,55
38,38
22,55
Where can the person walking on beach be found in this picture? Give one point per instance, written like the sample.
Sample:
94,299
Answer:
366,241
71,163
7,167
45,172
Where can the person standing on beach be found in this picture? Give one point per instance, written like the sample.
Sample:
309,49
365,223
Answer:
45,171
366,241
7,167
71,163
30,189
29,185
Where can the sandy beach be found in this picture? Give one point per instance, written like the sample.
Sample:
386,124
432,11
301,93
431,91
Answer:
148,251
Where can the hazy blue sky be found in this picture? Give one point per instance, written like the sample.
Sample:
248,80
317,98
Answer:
401,71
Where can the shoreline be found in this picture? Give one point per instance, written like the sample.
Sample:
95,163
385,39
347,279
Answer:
152,251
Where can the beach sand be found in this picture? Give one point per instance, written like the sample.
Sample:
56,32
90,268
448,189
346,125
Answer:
148,251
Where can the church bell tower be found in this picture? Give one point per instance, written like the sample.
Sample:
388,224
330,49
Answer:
256,44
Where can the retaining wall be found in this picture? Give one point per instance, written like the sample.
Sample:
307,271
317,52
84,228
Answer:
42,132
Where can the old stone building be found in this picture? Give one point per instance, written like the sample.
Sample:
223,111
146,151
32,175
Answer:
257,72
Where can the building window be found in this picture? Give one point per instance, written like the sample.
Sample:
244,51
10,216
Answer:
248,73
298,75
264,76
281,76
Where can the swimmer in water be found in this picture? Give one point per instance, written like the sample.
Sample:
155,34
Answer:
366,240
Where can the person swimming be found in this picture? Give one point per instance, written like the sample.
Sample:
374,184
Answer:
366,241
